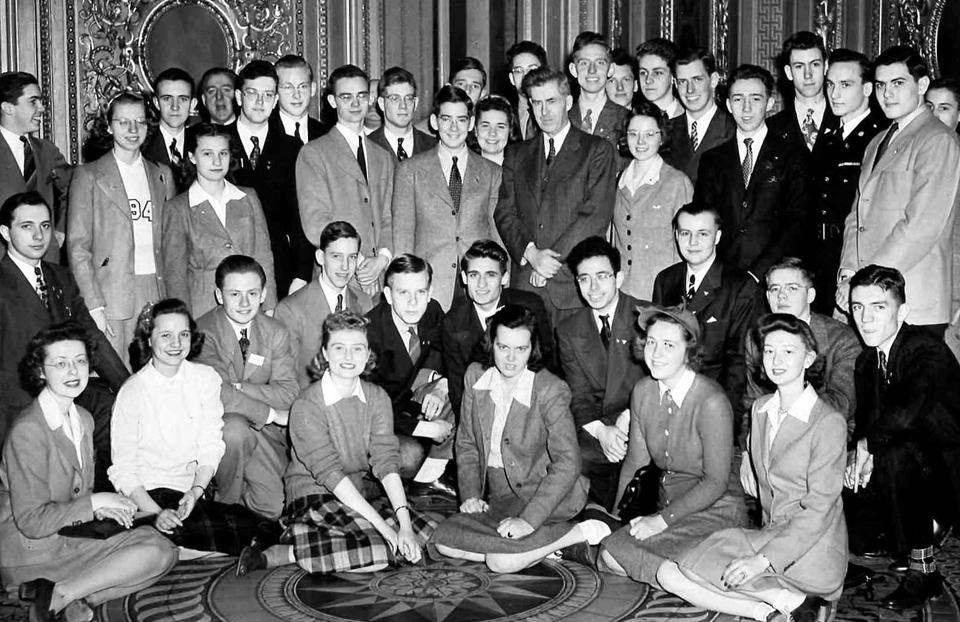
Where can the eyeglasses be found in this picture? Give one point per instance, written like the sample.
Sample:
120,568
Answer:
396,99
347,98
522,71
62,365
130,123
601,278
299,88
267,96
790,288
601,64
648,135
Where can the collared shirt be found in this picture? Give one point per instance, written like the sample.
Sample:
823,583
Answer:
246,133
904,122
29,272
496,158
238,327
886,346
819,108
403,328
392,139
758,138
197,195
632,177
523,114
698,275
849,126
330,294
675,110
612,313
73,429
679,392
16,146
290,126
353,139
331,395
484,315
800,410
169,138
703,123
595,110
557,140
446,161
503,398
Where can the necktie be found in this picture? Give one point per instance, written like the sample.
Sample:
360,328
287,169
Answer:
694,138
809,129
255,154
529,127
747,165
42,290
413,344
605,331
175,156
401,152
361,160
885,142
588,122
691,291
244,344
339,303
29,165
883,368
296,131
456,186
552,155
667,401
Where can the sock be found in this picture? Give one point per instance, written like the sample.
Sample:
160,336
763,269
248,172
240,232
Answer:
786,601
279,555
922,560
762,612
431,470
594,531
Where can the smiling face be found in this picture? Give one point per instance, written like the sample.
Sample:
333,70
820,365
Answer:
898,92
339,261
806,71
452,124
847,93
29,234
511,350
697,237
590,67
598,283
877,314
211,157
295,90
550,107
128,126
621,85
241,296
493,132
655,78
696,87
26,114
786,357
398,103
665,351
66,368
347,352
408,294
484,280
945,106
749,102
644,137
174,100
170,342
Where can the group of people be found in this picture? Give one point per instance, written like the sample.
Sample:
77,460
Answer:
600,322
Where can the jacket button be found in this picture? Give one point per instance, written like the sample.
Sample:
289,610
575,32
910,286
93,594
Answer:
628,216
76,491
228,245
512,463
506,441
862,229
520,485
629,232
629,262
77,522
744,230
366,200
629,247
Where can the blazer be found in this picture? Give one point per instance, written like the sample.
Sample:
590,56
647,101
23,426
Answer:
267,378
422,142
787,125
555,208
767,220
100,233
315,127
904,211
610,124
155,150
601,381
425,224
681,155
195,242
541,457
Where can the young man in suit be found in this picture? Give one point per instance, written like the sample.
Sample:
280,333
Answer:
705,124
251,352
724,298
397,98
622,81
469,74
594,112
522,58
655,65
836,163
596,354
557,190
295,90
903,474
173,99
343,175
333,290
217,89
757,180
36,295
903,214
28,162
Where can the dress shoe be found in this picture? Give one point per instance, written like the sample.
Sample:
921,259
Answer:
940,535
251,558
810,610
915,590
42,595
582,553
899,565
857,575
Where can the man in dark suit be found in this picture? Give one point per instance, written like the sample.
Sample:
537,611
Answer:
594,112
655,58
557,189
28,162
267,164
757,181
397,98
217,90
723,297
295,91
173,99
622,81
596,353
705,124
522,58
904,472
35,295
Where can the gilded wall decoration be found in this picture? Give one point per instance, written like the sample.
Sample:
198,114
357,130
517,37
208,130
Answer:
266,27
666,19
828,21
911,16
932,36
720,33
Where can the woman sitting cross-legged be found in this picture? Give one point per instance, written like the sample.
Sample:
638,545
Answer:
343,451
518,461
46,483
795,564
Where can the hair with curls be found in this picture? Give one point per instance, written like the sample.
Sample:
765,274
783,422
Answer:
499,103
526,47
694,349
192,141
772,322
485,249
646,108
100,140
887,279
588,248
31,365
513,316
140,350
344,320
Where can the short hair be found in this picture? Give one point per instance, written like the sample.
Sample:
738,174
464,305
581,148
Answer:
514,316
802,40
338,230
239,264
843,55
594,246
773,322
395,75
751,72
13,83
124,97
140,351
341,320
694,350
588,37
216,71
293,61
188,172
622,57
791,263
407,263
659,46
345,72
174,74
693,54
947,84
908,56
646,108
485,249
15,201
31,365
888,279
449,94
256,69
465,63
695,209
526,47
542,75
501,104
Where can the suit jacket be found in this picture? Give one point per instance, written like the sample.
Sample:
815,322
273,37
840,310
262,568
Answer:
425,224
610,124
462,337
787,125
155,150
303,312
904,211
422,142
100,233
315,127
601,381
22,315
681,156
766,220
555,208
267,378
725,305
541,457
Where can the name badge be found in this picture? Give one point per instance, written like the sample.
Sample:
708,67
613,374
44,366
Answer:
256,359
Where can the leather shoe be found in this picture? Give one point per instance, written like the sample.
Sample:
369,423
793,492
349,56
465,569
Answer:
899,565
857,575
582,553
810,609
42,595
251,558
940,535
915,590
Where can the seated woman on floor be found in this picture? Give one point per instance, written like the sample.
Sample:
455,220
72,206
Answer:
46,483
343,450
518,461
794,565
167,436
681,422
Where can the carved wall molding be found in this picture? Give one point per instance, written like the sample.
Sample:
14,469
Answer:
911,16
769,32
932,36
666,19
829,22
720,33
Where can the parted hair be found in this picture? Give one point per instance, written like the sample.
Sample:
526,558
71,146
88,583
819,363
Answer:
514,316
140,350
888,279
773,322
31,365
12,84
14,201
344,320
542,75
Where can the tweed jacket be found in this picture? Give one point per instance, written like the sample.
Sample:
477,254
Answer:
422,142
610,124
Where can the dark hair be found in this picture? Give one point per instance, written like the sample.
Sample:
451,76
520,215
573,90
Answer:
174,74
14,201
773,322
514,316
344,320
887,279
256,69
345,72
620,56
791,263
100,139
216,71
31,365
594,246
500,104
13,83
646,108
586,38
659,46
449,94
485,249
292,61
465,63
751,72
140,350
338,230
694,349
693,54
239,264
906,55
407,263
801,40
192,141
526,47
947,84
843,55
395,75
542,75
695,209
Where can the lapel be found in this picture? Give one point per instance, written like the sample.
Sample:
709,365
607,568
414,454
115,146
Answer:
472,183
422,141
158,195
570,155
230,343
721,128
346,157
23,290
576,118
208,218
533,160
708,290
67,450
590,350
734,166
485,413
435,181
898,141
8,163
621,344
396,343
59,309
766,161
111,184
258,341
763,451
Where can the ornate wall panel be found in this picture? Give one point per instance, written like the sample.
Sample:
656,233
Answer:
768,33
829,22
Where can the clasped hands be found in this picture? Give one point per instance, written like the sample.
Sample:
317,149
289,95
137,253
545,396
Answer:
545,263
613,441
859,467
643,527
113,506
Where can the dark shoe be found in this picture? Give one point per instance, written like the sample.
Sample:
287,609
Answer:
940,535
582,553
77,611
42,595
899,565
251,558
915,590
857,575
810,610
875,554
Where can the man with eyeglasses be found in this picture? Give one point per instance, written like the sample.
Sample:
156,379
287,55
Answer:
346,176
594,112
217,87
398,102
522,58
296,90
596,354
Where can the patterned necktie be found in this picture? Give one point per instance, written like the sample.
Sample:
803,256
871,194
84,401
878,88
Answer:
244,344
339,303
29,165
401,152
413,344
885,142
255,154
175,155
884,378
41,285
694,138
691,291
456,186
588,122
605,331
667,401
747,165
552,155
296,132
361,160
809,130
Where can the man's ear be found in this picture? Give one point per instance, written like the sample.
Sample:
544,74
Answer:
332,100
218,294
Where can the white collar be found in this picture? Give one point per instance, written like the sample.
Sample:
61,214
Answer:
703,122
699,273
683,386
136,164
331,395
392,136
286,118
28,271
800,410
848,127
51,412
168,137
819,108
909,118
483,315
330,294
16,146
632,179
758,138
403,328
197,195
888,344
557,140
353,139
238,327
523,392
612,313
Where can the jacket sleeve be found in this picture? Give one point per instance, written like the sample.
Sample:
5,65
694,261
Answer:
282,388
586,400
387,221
384,454
80,236
214,356
470,464
176,251
512,231
404,209
261,249
310,439
838,386
595,209
108,364
313,193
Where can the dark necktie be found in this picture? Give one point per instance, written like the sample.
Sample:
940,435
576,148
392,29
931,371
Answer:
296,132
667,401
244,344
175,156
531,127
29,165
809,130
691,291
361,160
605,331
456,186
694,138
413,344
587,125
552,155
747,165
884,378
885,142
42,290
401,152
339,303
255,154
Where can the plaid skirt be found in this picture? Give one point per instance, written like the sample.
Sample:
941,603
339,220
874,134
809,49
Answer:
327,536
212,526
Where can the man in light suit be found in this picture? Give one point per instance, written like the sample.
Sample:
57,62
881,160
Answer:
345,176
28,162
906,204
443,200
333,290
173,99
596,353
295,91
251,352
558,188
594,112
397,98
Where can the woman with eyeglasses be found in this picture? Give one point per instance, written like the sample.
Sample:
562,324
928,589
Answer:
649,193
46,484
114,225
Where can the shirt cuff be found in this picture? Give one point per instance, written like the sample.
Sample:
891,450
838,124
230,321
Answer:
271,417
592,428
523,259
623,421
386,253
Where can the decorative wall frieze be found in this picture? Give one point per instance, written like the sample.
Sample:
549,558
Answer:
828,20
720,33
932,36
911,16
666,19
